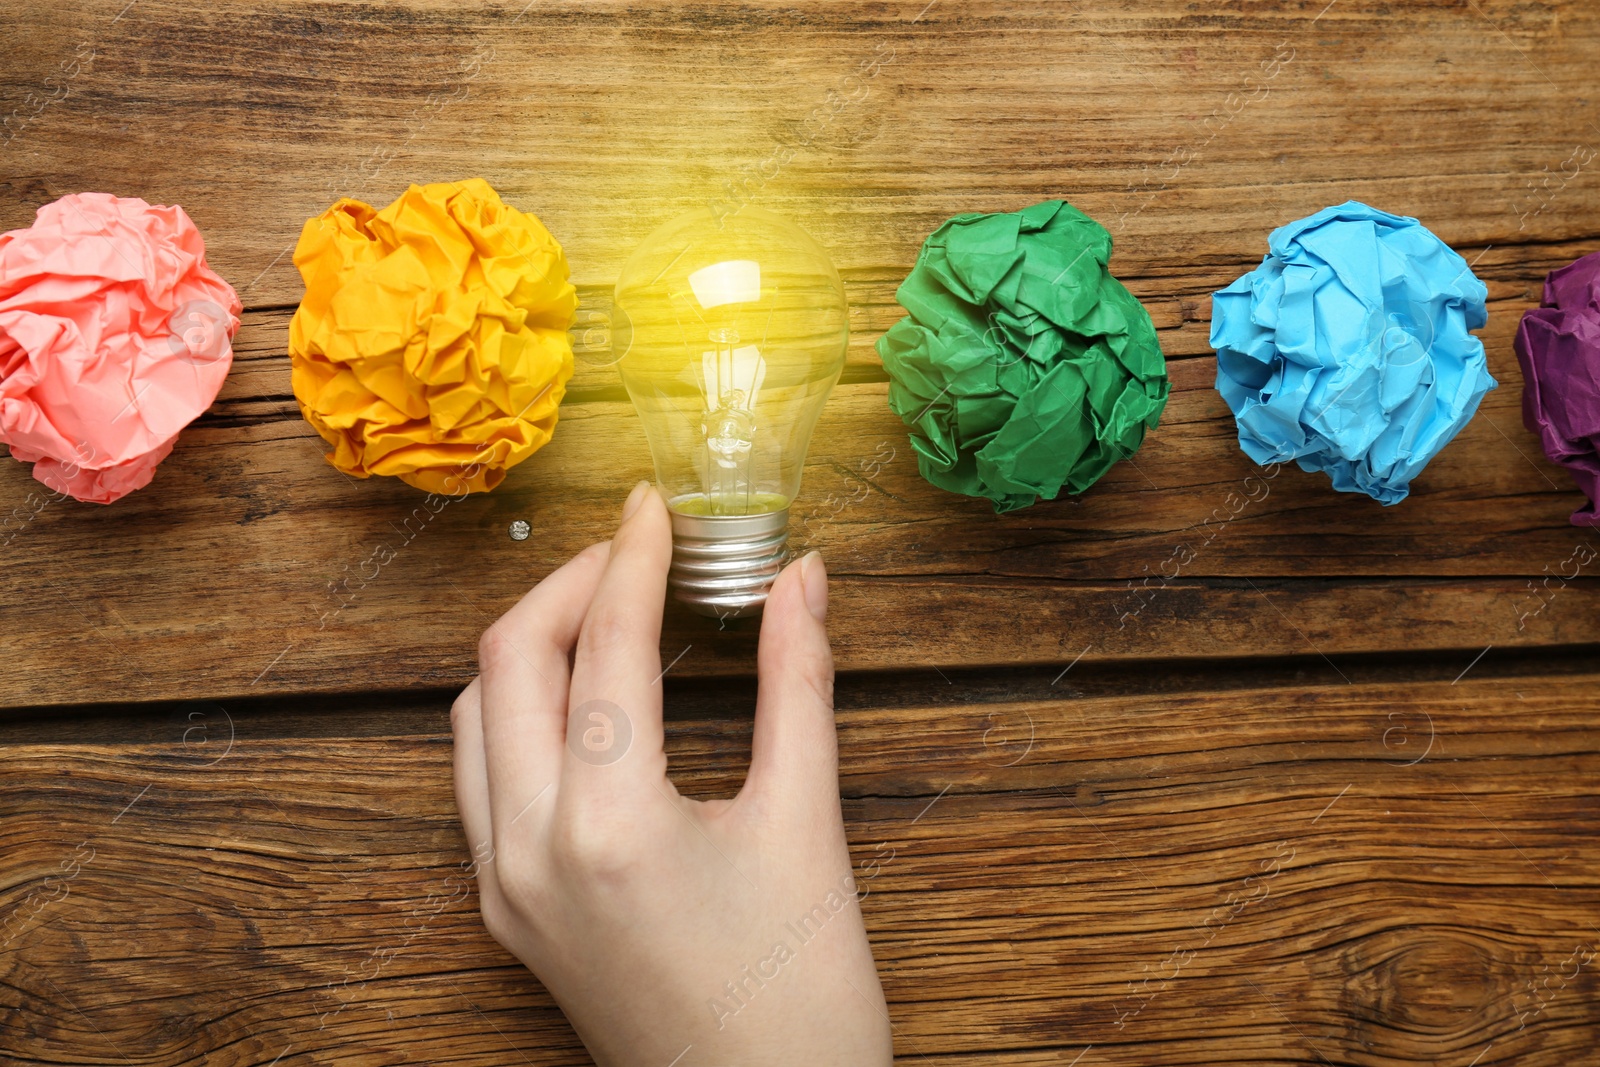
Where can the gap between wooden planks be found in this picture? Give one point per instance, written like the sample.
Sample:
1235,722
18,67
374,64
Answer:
1374,874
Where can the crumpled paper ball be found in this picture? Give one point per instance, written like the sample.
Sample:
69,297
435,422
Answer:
1023,366
114,336
1558,346
1348,350
431,343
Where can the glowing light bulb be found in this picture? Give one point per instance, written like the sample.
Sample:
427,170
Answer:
731,331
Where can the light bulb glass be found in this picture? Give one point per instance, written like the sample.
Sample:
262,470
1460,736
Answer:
731,331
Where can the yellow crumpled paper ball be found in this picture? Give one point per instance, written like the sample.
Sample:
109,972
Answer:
432,340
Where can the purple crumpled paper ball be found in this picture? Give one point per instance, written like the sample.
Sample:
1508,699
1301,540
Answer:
1558,346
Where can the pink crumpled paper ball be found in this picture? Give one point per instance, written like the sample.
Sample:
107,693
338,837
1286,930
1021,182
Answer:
114,335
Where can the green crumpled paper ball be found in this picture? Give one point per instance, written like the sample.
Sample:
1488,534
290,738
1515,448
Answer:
1023,366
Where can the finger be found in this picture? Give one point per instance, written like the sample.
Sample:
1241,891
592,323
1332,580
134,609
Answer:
614,730
522,660
794,756
471,776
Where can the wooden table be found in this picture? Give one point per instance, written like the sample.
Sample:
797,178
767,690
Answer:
1324,795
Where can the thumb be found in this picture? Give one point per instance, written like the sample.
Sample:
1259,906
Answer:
794,759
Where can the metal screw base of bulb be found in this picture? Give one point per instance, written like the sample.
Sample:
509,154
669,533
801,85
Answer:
724,565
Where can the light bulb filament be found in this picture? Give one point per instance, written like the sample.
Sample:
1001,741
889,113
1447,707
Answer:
731,376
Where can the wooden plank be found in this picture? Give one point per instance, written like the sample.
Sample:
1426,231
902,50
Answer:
250,566
1190,132
1378,874
103,650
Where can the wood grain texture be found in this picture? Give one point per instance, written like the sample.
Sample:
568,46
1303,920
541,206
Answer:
251,566
1373,875
1166,829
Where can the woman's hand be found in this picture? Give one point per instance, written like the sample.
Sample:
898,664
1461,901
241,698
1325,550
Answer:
672,932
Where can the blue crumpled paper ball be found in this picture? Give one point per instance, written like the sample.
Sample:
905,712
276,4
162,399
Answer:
1348,350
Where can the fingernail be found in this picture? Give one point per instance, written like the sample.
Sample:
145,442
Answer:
814,580
635,498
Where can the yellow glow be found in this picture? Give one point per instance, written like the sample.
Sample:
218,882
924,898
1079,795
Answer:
733,281
738,331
